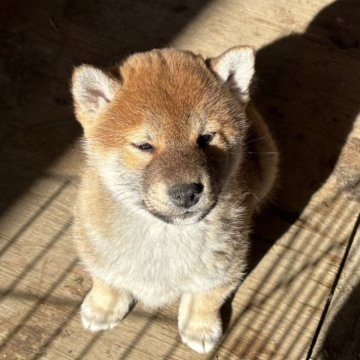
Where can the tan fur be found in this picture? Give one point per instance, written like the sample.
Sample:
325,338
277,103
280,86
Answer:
135,241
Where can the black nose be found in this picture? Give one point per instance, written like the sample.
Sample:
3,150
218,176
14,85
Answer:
186,195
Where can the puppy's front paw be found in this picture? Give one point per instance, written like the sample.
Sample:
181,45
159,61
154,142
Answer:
97,315
201,334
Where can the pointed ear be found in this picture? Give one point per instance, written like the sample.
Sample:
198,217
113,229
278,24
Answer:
236,67
92,90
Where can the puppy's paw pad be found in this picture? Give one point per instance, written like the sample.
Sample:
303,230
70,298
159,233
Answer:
201,339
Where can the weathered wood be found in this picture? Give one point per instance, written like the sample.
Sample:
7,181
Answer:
341,318
308,66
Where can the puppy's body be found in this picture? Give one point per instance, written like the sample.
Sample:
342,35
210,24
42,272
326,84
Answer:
131,237
153,260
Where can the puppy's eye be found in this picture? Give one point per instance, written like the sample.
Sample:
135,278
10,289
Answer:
204,140
144,147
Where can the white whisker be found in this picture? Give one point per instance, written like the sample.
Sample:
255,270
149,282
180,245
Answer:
257,139
266,153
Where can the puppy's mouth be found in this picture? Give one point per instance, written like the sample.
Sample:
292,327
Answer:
184,218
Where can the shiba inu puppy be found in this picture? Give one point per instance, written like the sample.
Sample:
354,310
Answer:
175,170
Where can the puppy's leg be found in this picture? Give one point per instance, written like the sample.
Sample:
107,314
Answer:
199,318
104,307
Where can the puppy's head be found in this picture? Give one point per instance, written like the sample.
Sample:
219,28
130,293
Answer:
165,129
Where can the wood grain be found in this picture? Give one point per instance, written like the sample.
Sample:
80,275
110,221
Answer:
308,66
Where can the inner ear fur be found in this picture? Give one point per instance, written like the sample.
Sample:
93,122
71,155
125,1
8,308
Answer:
236,67
92,89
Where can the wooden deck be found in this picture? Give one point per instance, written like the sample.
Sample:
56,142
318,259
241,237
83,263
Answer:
308,85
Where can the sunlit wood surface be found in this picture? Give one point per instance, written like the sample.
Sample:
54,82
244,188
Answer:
308,87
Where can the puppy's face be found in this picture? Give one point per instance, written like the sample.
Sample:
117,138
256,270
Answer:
165,129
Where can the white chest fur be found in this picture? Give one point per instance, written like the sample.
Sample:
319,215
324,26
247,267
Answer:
154,260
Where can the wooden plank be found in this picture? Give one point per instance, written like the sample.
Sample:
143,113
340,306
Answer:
308,80
341,317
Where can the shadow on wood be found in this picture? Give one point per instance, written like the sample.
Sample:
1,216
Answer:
344,327
41,42
307,87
